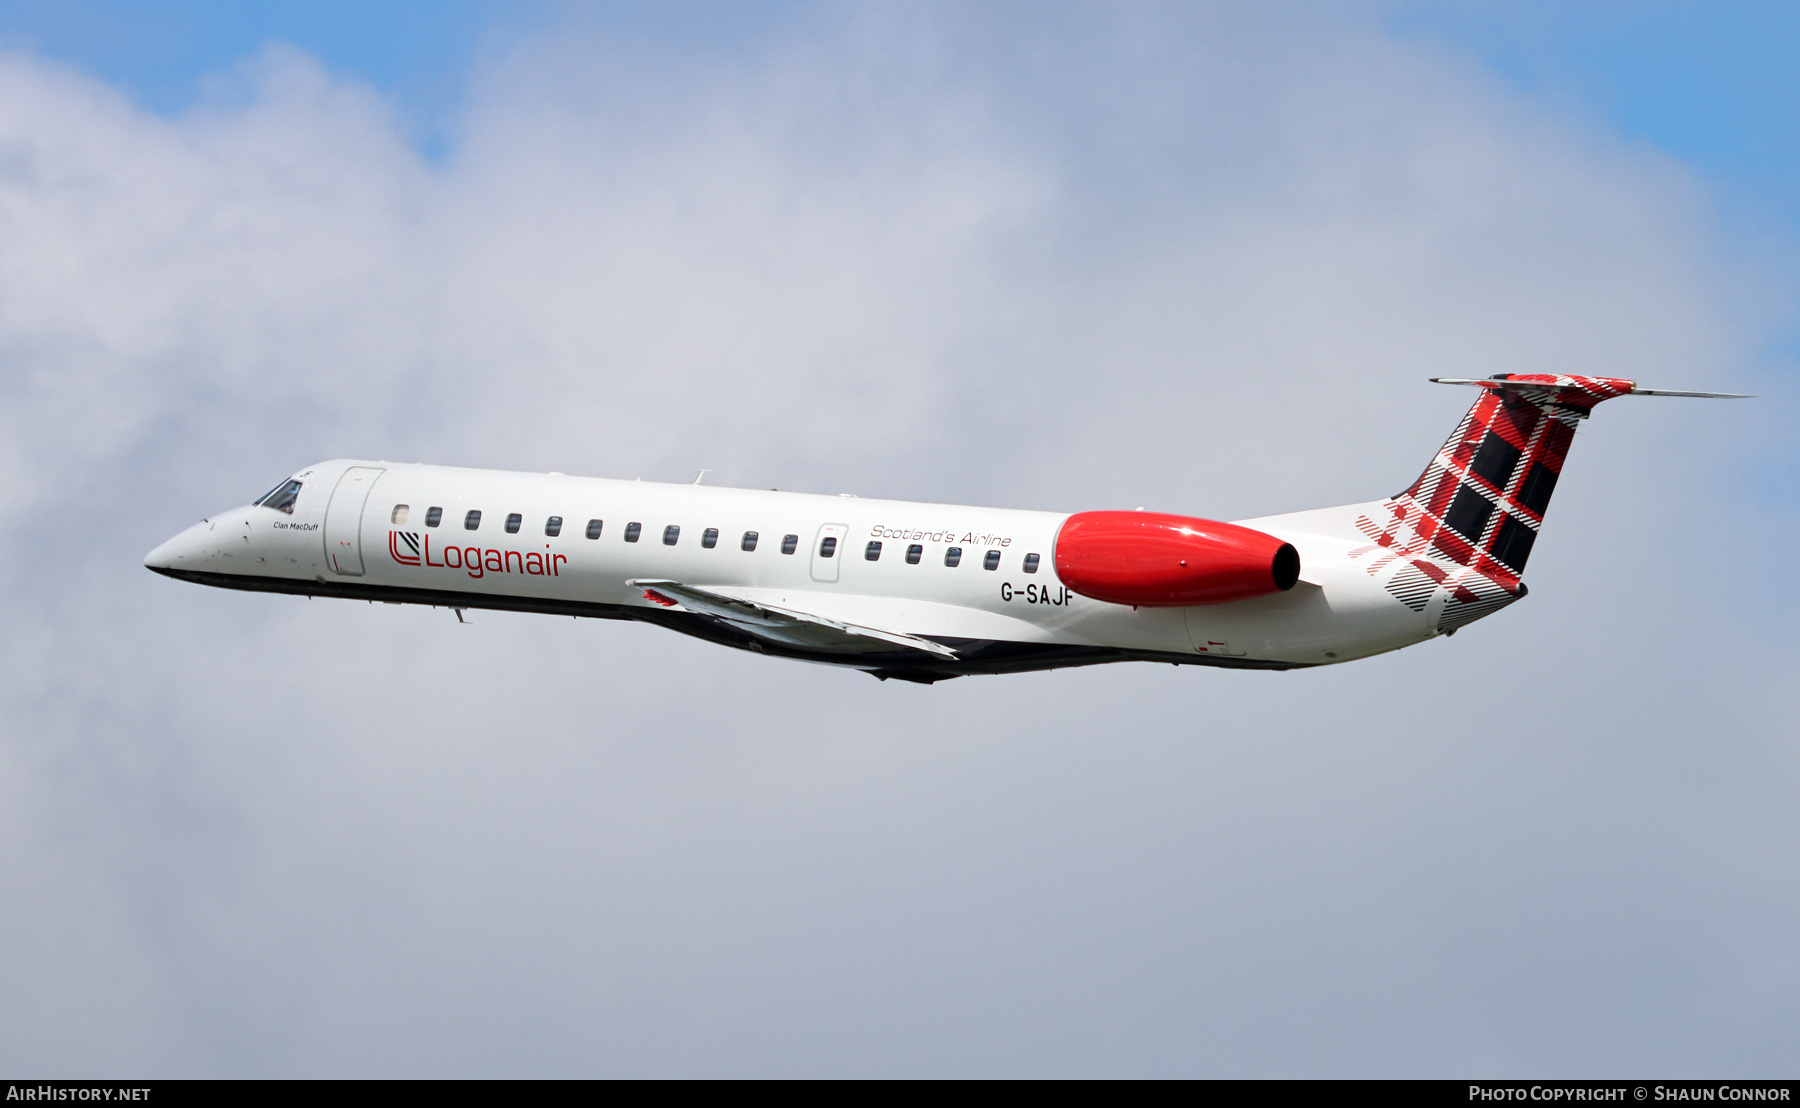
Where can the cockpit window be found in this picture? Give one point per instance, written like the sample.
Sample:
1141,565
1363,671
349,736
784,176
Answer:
282,497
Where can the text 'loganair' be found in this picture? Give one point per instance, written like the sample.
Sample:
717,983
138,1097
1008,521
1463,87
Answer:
923,592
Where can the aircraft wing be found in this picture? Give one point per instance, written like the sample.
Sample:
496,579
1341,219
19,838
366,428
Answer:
785,625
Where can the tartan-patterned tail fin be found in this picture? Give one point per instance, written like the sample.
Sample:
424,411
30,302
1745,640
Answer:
1464,530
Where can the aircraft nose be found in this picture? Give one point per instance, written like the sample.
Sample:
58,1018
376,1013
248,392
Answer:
184,551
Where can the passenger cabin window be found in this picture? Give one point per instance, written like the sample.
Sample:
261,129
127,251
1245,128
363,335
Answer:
434,516
593,531
953,556
914,553
281,497
632,531
992,561
513,523
553,526
749,542
671,534
709,538
1031,563
790,543
398,516
472,520
872,552
828,547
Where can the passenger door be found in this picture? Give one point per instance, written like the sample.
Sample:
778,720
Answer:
343,519
828,551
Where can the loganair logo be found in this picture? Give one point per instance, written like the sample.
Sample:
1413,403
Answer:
409,548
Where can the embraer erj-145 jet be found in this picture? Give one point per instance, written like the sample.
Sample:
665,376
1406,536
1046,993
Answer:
923,592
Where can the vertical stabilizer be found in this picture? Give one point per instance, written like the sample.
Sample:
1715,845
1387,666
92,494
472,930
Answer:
1459,538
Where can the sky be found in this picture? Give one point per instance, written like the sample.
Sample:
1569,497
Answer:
1195,257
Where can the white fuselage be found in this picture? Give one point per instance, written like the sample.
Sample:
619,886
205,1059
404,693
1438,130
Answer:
347,534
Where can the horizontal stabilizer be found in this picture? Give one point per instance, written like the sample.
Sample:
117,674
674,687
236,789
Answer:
1700,395
1557,385
785,625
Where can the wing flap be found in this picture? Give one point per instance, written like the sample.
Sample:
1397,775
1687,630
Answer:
785,625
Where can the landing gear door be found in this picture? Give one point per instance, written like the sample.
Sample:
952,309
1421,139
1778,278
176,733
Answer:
343,520
828,551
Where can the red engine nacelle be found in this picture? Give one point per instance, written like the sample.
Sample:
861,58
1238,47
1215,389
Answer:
1163,561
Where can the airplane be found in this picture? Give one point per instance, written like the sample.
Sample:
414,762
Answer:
923,592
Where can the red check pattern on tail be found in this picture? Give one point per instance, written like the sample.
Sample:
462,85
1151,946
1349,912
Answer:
1460,536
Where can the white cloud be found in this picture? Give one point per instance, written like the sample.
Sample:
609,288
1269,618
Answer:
1195,262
